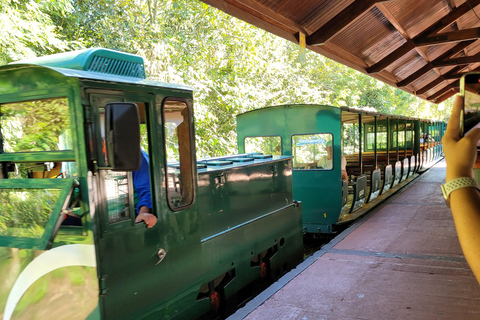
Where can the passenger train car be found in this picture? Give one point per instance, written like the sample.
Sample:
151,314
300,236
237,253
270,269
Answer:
380,152
72,128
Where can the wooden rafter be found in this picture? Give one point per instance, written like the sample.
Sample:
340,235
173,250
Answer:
451,86
454,36
436,27
417,74
437,81
457,61
341,21
446,95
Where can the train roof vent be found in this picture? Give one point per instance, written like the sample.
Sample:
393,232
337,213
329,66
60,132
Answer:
95,60
117,66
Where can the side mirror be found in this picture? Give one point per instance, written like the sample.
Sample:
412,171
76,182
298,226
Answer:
122,129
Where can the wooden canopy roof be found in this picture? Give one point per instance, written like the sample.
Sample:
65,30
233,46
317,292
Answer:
420,46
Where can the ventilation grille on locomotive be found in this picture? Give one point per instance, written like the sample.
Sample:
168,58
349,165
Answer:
117,67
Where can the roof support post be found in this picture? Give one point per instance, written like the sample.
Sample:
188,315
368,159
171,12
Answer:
375,142
360,140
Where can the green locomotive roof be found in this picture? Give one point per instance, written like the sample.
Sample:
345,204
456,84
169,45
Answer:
97,64
95,60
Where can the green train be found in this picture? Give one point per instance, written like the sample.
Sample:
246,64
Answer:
105,213
345,160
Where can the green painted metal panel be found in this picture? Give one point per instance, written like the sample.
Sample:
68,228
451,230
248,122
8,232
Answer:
319,190
35,183
25,83
38,156
266,183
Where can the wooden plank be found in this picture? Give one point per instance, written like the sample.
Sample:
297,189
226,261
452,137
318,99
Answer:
440,92
414,76
459,75
399,28
417,74
445,96
449,18
339,22
394,56
254,7
255,18
457,61
431,85
454,36
437,81
436,27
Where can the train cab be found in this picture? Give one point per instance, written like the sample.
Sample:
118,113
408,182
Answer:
77,130
345,160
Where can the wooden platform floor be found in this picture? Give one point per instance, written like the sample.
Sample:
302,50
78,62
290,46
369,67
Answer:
402,261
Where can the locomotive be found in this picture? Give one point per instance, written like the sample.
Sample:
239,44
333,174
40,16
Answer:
73,129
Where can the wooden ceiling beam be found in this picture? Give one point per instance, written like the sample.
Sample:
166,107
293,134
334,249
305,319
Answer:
417,74
454,36
384,10
457,61
341,21
454,76
431,85
436,27
437,81
414,76
459,75
248,9
445,96
440,92
391,58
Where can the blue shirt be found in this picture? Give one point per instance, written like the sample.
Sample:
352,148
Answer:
141,183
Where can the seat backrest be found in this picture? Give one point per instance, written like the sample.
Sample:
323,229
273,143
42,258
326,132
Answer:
375,184
387,178
359,190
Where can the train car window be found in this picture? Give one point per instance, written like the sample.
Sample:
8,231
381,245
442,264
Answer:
36,125
350,138
117,193
117,183
409,136
381,137
25,212
313,151
401,139
393,130
266,145
44,170
179,153
381,140
122,197
370,142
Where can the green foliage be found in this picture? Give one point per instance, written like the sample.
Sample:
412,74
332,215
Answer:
36,125
25,212
266,145
28,28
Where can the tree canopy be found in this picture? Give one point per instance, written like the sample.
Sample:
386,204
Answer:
235,67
